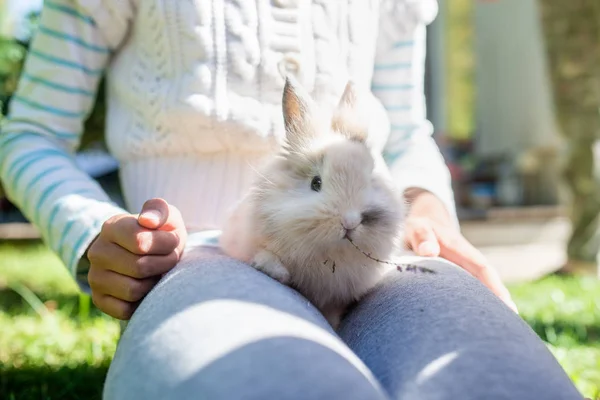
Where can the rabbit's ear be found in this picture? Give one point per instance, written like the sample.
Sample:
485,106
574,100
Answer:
348,99
298,114
351,116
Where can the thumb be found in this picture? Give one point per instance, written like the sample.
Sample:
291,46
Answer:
423,240
158,214
154,215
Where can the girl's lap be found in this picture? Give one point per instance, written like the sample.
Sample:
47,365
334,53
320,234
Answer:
445,335
216,328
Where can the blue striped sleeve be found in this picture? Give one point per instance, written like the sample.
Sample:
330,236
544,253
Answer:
396,84
411,153
59,199
69,9
56,93
395,66
58,86
42,30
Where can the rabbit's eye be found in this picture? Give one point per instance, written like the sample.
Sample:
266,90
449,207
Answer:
315,184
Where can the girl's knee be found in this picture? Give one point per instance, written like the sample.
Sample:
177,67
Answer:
425,275
276,357
287,368
421,290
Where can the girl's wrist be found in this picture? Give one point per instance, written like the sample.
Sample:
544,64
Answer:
424,204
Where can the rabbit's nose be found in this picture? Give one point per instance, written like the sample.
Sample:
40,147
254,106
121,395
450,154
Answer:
351,220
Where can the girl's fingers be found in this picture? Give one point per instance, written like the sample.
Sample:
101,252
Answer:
109,256
116,308
422,238
120,286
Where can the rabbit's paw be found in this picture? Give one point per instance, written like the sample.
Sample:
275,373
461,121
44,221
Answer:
269,263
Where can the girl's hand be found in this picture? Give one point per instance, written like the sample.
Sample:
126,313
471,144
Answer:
130,255
430,233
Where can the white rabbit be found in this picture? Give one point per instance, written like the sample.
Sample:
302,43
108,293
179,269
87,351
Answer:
326,195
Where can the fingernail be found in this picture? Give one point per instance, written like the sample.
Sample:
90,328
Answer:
152,215
428,249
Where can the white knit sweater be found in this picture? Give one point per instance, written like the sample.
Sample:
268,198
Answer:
195,100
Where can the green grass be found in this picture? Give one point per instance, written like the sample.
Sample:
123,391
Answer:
565,312
61,356
460,68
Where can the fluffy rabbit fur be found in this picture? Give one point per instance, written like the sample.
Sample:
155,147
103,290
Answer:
325,186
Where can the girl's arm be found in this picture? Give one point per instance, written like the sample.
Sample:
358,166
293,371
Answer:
68,56
431,226
398,82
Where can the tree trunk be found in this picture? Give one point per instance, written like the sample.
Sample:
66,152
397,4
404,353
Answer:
572,30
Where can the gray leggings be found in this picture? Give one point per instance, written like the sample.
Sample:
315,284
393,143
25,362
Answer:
217,329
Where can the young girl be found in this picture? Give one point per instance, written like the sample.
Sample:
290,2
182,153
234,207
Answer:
194,102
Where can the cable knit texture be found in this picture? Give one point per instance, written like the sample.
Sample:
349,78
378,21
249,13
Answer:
194,90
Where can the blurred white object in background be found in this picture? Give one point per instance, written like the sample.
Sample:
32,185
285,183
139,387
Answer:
14,21
515,114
